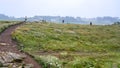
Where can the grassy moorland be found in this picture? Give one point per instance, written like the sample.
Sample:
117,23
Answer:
6,24
71,45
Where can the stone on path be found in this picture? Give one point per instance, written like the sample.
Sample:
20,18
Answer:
4,44
13,60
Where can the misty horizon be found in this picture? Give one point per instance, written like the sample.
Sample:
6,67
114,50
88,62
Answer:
56,16
68,19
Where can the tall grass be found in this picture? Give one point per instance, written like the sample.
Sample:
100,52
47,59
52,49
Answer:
76,46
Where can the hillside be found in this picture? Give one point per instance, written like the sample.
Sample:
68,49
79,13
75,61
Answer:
71,45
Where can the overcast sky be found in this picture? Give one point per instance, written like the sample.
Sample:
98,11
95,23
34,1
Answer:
81,8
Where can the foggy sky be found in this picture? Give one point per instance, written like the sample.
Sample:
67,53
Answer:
81,8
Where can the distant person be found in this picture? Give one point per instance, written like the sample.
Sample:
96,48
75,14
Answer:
63,21
90,23
25,18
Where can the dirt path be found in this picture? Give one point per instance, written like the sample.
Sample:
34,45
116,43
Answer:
8,45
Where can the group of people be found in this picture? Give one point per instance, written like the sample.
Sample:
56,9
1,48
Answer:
62,20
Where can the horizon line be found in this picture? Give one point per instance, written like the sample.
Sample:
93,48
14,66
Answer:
57,16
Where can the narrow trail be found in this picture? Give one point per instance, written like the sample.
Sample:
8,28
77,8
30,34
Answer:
11,46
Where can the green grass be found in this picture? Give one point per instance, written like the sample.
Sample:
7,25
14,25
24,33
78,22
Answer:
74,45
6,24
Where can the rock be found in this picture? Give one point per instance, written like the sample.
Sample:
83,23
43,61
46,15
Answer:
16,57
20,67
7,64
28,66
13,60
4,44
6,57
